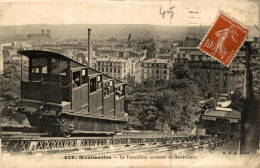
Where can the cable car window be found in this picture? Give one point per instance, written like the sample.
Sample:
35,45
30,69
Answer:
98,82
106,89
111,87
35,70
119,92
43,65
84,76
59,67
35,65
76,79
39,65
93,84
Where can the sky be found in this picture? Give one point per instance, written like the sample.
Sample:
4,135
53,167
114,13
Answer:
21,12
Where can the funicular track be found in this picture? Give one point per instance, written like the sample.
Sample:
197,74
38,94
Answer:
51,145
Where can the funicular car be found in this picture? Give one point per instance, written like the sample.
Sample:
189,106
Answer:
65,97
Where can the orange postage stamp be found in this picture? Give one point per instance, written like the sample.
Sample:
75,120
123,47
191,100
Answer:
224,39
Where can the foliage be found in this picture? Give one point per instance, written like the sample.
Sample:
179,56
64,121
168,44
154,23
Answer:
10,91
153,104
10,80
237,100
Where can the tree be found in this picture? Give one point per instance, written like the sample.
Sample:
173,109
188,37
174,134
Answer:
10,91
154,104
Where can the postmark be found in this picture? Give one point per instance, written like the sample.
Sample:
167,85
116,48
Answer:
224,39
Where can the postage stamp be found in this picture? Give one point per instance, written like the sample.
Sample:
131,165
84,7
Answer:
224,39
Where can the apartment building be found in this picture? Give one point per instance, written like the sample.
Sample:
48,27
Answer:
157,68
117,68
217,74
237,74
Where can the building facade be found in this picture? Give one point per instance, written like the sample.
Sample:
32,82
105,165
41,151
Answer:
156,68
117,68
216,73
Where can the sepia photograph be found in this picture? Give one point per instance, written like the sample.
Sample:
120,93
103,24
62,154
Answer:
130,83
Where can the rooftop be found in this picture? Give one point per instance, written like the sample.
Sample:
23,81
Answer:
230,113
197,53
164,54
162,61
188,48
112,60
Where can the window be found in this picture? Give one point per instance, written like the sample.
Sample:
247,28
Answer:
179,55
184,55
225,77
106,69
43,65
124,70
35,65
106,88
76,79
98,63
114,70
39,65
111,87
102,69
216,78
93,85
118,70
111,70
165,71
35,70
84,76
200,57
119,92
58,67
192,57
99,82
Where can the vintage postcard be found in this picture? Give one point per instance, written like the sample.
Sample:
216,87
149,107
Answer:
129,83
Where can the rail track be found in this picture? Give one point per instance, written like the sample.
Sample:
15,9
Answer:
29,143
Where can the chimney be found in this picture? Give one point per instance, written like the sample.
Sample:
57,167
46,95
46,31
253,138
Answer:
129,38
48,33
89,50
43,31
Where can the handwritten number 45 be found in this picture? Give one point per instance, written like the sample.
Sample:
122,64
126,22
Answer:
169,11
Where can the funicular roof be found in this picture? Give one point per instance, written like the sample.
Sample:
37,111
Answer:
39,53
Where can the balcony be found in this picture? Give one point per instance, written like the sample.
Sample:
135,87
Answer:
206,65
